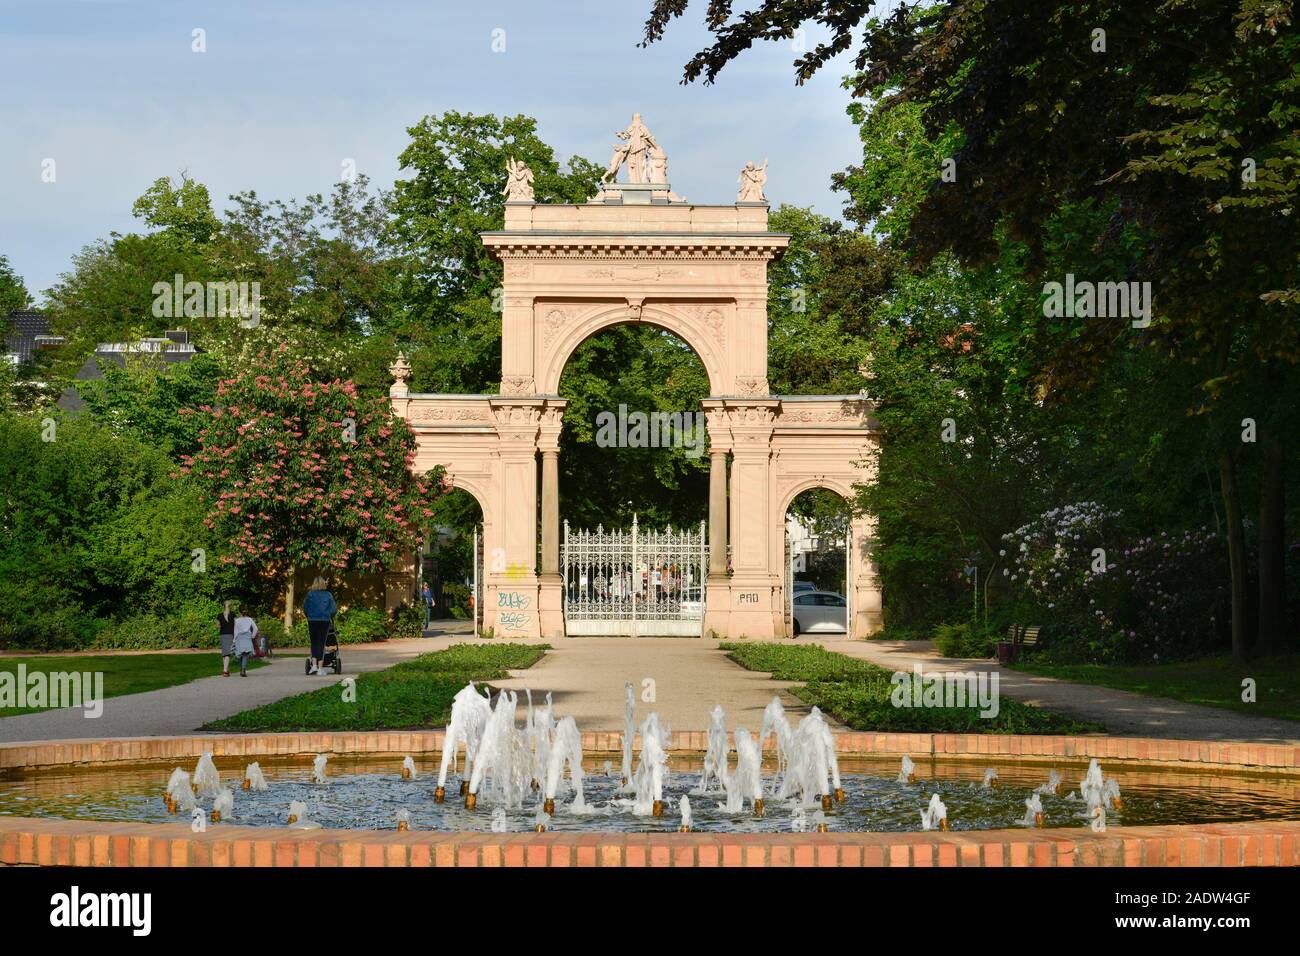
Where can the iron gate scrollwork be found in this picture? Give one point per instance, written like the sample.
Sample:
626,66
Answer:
635,582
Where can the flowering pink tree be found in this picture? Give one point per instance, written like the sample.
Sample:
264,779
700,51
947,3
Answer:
306,473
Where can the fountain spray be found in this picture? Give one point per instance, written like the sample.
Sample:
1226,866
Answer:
408,768
566,749
628,730
207,782
684,805
935,816
223,805
318,768
715,754
254,779
470,711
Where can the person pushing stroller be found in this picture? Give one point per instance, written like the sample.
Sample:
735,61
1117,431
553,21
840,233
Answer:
319,608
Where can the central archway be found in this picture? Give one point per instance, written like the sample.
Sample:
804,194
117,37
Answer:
701,326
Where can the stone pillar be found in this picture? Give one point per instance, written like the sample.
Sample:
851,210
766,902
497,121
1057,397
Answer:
755,583
717,513
511,592
551,583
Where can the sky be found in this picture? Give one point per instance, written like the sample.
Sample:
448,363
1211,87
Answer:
112,91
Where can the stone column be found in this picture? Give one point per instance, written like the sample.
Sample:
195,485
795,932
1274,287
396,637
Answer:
511,592
551,512
717,513
551,584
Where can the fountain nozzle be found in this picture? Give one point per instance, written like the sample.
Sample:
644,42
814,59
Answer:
539,827
1118,803
657,808
1038,819
293,818
839,794
827,802
758,806
911,778
246,784
534,785
216,816
823,828
548,805
171,804
470,800
406,773
439,794
995,783
943,824
402,825
683,829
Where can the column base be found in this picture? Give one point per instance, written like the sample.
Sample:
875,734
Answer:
739,607
510,606
550,605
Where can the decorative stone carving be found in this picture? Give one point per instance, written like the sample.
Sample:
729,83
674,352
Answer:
519,182
555,320
517,385
752,179
421,412
400,369
635,152
634,306
751,386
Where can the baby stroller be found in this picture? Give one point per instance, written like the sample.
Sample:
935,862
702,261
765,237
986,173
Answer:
330,658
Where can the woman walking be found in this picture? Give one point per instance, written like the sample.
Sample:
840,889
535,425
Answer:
226,632
245,635
319,607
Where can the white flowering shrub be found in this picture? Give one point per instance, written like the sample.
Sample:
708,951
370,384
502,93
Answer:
1103,593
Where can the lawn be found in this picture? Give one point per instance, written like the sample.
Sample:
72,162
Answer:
413,694
123,673
858,693
1213,681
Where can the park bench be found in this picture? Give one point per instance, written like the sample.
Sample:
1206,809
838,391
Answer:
1019,638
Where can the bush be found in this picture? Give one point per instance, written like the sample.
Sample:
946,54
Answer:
361,625
965,640
407,621
455,600
194,625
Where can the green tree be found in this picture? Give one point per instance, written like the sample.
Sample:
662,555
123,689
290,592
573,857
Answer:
13,293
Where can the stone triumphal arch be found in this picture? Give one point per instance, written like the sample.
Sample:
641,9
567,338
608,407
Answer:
638,253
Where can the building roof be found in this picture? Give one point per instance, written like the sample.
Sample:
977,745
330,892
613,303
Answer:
31,331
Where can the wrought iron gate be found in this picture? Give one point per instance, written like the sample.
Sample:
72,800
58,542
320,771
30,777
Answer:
634,582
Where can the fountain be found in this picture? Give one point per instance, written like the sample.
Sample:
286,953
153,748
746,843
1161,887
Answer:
298,817
207,782
715,753
254,779
628,730
318,768
403,819
501,759
648,781
180,793
566,748
908,773
223,805
408,768
684,805
1033,812
747,782
935,816
775,723
198,822
539,729
799,820
991,779
470,711
499,824
813,763
540,821
819,822
1053,786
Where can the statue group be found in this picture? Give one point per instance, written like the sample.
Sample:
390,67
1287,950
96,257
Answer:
645,159
647,164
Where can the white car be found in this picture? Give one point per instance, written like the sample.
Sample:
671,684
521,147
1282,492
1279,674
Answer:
817,612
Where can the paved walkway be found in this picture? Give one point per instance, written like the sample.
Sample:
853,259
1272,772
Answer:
184,708
1122,712
689,676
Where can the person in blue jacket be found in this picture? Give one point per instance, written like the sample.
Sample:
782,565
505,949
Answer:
320,609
